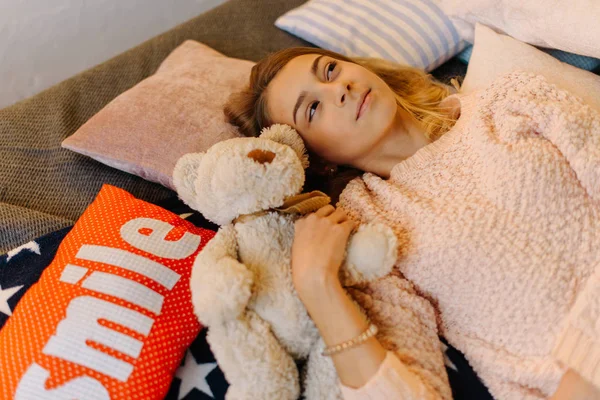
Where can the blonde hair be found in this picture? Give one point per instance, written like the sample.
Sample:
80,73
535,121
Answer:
416,92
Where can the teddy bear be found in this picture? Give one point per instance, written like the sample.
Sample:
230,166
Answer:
241,282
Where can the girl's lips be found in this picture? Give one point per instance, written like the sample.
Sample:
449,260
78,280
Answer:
364,104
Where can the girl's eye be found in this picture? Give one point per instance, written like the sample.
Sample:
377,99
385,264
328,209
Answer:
313,107
330,68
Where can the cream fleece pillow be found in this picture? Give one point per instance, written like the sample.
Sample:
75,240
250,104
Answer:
569,25
495,54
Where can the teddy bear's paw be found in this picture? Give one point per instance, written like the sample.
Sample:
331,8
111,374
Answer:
372,253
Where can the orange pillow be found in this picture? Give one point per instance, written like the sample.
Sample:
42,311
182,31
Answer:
111,317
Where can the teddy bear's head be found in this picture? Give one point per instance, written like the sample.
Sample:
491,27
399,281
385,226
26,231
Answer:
243,175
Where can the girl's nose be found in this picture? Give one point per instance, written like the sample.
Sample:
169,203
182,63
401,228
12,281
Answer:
342,93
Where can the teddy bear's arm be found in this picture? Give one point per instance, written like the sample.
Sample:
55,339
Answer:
220,284
372,252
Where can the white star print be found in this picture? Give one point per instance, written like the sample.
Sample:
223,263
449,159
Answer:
6,294
31,246
193,375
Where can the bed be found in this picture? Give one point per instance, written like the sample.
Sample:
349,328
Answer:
44,188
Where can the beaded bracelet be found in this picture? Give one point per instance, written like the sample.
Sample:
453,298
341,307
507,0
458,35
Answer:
363,337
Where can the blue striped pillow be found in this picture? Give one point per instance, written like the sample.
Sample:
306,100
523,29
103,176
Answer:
409,32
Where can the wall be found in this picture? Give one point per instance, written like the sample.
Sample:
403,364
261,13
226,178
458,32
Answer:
43,42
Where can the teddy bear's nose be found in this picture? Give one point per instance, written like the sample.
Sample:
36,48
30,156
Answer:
261,156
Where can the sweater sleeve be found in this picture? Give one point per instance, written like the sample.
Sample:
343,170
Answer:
414,366
578,346
542,109
533,107
393,381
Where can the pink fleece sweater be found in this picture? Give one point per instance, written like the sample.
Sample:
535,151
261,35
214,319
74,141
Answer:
499,225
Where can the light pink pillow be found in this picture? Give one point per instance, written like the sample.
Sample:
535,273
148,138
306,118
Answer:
177,110
495,54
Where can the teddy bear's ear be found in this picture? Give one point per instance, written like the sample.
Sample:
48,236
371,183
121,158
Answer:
185,174
287,135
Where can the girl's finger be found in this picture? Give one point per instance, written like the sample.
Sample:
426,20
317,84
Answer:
349,225
338,216
325,211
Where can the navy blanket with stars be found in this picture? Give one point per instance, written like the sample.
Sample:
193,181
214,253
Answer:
198,377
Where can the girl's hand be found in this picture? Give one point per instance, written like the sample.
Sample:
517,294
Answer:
319,249
574,387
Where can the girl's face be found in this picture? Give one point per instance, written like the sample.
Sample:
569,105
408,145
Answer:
321,98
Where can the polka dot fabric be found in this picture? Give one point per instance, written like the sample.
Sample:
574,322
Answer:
111,317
